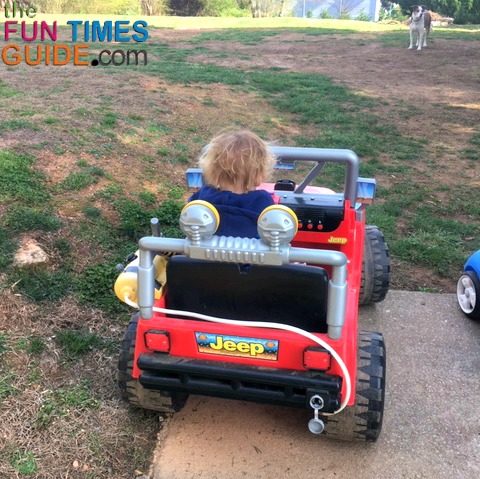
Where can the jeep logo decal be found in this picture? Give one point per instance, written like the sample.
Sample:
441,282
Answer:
237,346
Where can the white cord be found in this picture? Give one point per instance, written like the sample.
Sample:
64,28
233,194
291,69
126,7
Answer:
262,324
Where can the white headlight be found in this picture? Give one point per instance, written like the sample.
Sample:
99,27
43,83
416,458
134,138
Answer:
199,220
277,225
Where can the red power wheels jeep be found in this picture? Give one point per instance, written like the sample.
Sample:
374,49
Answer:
271,320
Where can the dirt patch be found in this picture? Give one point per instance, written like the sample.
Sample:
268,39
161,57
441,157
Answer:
408,277
364,64
57,167
25,137
433,94
14,305
153,138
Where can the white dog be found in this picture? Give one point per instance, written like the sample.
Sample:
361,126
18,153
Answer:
420,24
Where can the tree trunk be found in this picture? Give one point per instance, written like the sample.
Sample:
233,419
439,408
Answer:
254,8
147,7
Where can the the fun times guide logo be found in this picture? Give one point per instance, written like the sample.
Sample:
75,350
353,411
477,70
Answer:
33,42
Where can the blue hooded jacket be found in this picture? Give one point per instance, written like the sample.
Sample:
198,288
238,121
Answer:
238,212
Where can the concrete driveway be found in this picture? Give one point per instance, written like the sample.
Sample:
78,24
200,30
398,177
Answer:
432,412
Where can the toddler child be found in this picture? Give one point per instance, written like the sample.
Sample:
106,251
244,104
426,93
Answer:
234,164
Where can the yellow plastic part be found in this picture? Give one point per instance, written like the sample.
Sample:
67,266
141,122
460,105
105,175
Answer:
126,285
160,263
284,208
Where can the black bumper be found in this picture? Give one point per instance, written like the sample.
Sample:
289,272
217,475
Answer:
227,380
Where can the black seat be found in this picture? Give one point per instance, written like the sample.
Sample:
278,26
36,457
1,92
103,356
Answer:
290,294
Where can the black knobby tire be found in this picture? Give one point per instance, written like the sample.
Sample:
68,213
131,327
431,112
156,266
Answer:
131,389
363,421
375,267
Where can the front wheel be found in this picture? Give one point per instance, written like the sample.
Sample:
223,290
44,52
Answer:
375,267
363,421
468,294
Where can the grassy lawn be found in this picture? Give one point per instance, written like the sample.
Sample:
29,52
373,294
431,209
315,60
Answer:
88,155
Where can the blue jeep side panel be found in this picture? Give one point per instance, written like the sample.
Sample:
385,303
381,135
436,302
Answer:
473,263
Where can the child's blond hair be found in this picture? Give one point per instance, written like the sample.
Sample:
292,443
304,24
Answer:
237,159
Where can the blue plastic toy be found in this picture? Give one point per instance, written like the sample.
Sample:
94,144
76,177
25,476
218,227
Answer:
468,287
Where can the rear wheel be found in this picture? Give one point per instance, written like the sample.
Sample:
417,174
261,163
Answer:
131,389
375,267
468,294
363,421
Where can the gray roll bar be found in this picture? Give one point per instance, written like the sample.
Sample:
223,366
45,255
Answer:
245,250
322,155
